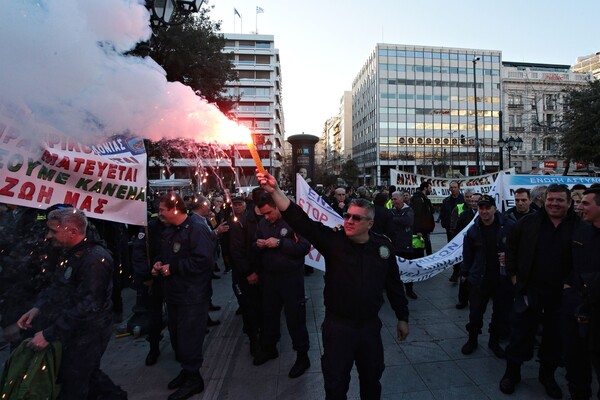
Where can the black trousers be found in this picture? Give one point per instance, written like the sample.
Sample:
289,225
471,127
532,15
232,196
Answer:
284,291
501,294
249,299
154,306
187,327
575,342
345,344
80,373
524,321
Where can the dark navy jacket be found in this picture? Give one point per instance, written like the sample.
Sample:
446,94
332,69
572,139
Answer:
188,248
474,264
289,256
356,274
79,300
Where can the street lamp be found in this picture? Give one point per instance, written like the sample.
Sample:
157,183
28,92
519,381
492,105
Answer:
510,144
171,12
268,146
477,166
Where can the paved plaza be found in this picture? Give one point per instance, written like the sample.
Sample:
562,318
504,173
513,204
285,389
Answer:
428,365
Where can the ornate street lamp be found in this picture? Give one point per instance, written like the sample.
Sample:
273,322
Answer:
510,144
268,146
171,12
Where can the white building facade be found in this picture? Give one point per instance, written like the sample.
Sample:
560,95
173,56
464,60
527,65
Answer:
259,89
533,98
416,109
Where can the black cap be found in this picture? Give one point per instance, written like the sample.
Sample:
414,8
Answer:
237,199
486,200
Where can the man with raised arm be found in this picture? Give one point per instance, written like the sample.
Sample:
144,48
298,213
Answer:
359,266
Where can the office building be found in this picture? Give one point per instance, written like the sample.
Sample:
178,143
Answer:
416,108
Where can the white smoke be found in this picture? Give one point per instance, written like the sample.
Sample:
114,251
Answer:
63,71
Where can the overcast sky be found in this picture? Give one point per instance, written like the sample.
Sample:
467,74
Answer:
324,43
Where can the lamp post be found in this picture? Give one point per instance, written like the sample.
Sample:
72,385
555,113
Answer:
510,144
171,12
477,166
268,146
451,154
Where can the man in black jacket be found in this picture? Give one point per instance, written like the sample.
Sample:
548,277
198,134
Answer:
359,266
185,262
237,250
448,204
484,266
522,205
78,304
281,253
581,305
538,259
424,223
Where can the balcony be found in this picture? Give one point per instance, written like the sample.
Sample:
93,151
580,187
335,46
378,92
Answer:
515,106
516,129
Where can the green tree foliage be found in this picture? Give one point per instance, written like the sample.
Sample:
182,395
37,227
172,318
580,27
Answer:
192,53
350,172
581,139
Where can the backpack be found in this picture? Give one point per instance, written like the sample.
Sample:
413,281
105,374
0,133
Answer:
31,375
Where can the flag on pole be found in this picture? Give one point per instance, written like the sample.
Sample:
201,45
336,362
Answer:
259,10
235,12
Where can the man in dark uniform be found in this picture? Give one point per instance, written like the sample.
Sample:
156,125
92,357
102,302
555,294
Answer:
463,220
579,324
484,266
538,259
144,250
185,263
237,250
359,266
281,252
79,305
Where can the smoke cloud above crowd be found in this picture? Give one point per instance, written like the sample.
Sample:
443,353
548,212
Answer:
63,70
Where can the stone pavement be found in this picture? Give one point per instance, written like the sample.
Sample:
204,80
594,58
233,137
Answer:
428,365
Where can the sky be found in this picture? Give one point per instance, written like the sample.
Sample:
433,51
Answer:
323,44
63,68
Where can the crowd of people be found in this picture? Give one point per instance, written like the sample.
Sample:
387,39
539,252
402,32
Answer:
537,262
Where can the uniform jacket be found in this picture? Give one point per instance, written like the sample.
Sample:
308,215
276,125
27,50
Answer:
238,244
424,222
188,248
474,265
289,256
522,243
402,222
356,274
79,300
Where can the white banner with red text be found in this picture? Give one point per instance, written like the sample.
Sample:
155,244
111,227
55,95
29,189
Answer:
106,181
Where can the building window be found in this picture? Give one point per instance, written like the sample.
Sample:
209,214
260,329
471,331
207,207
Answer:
263,59
534,144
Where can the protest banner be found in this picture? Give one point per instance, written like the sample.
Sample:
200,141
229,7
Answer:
501,187
106,180
440,187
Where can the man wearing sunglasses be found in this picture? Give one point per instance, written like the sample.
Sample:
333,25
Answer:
359,266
